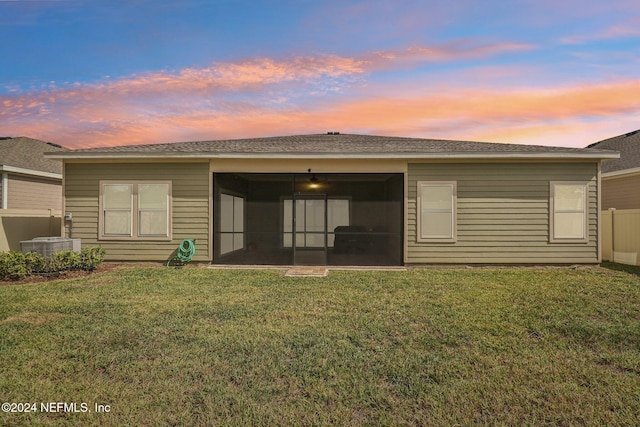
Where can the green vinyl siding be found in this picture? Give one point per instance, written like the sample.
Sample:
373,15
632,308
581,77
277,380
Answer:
190,206
502,213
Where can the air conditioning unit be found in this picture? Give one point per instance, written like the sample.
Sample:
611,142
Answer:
47,246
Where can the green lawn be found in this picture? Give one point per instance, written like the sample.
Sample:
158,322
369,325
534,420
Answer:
199,346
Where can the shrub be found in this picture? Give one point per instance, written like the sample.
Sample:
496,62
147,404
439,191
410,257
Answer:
16,265
91,258
12,265
64,260
35,263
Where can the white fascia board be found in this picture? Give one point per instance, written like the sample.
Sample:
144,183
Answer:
416,156
32,172
631,171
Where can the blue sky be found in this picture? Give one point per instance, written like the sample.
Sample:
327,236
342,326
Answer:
95,73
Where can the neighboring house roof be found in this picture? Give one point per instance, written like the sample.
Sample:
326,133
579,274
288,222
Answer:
26,155
629,147
334,145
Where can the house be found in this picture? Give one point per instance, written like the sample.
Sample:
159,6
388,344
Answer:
621,177
337,199
30,191
29,180
621,199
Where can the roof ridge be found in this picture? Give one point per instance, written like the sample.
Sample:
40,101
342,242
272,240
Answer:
332,146
343,137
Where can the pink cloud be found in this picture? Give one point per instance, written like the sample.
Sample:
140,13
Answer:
456,51
236,76
252,75
611,33
194,86
558,117
251,98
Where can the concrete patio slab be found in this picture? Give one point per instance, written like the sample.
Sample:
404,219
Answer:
306,271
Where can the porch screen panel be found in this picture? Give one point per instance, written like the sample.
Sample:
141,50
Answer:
301,224
287,217
238,223
337,215
231,223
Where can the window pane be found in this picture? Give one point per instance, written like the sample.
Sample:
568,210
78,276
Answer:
315,240
117,196
226,243
569,225
226,212
238,214
287,240
153,196
314,220
117,223
437,196
436,225
153,223
569,197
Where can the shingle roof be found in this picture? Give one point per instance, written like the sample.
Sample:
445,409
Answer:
325,144
629,147
28,153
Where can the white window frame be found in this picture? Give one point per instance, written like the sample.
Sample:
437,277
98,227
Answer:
134,233
553,211
420,234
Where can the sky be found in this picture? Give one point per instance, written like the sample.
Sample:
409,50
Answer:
93,73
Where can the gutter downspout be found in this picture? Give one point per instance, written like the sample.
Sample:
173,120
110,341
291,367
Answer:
5,191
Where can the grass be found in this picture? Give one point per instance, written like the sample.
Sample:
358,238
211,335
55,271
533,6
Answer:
232,347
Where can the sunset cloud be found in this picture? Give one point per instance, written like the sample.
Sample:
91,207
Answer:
455,51
491,115
612,33
255,73
106,73
88,112
264,96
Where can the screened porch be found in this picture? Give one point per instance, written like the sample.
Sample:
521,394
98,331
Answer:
307,219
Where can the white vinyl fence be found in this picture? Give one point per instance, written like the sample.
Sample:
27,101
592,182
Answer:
25,224
621,236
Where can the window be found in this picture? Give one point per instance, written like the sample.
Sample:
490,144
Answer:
117,206
436,211
310,221
231,223
568,212
135,210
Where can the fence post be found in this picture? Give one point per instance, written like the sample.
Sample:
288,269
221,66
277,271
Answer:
613,238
